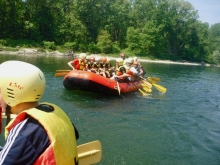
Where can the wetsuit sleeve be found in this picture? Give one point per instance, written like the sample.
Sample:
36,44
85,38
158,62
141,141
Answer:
24,144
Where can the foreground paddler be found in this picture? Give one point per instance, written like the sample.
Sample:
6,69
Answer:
40,133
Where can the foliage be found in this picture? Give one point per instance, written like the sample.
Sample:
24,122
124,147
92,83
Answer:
49,45
104,42
216,57
93,48
165,29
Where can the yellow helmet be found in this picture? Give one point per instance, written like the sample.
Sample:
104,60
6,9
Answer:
119,61
21,82
82,55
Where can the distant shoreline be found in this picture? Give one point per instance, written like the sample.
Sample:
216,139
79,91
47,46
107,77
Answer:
35,52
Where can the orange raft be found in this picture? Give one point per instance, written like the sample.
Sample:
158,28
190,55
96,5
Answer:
92,82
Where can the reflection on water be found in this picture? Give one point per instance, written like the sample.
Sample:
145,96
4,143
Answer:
178,127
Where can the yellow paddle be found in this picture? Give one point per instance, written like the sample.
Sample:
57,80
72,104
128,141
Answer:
160,88
148,90
145,83
60,74
62,71
155,79
143,93
89,153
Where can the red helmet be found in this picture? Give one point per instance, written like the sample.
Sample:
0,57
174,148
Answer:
92,59
104,59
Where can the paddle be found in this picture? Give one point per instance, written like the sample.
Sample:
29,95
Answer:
146,82
118,87
155,79
89,153
158,87
62,71
149,85
149,90
119,92
60,74
144,94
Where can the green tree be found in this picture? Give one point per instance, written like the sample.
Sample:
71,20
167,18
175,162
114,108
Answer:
11,19
216,57
118,20
104,42
214,32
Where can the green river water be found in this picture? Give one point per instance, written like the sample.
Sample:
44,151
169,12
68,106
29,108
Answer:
180,127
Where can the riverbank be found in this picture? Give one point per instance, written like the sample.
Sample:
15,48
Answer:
36,52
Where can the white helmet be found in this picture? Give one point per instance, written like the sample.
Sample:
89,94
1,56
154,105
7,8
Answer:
97,59
135,58
82,55
21,82
130,60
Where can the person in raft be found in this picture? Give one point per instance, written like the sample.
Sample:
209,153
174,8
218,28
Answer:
120,74
78,64
40,133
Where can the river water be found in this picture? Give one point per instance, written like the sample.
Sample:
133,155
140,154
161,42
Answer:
180,127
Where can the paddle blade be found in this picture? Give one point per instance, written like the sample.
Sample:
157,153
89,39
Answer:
160,88
154,79
57,71
89,153
148,90
142,92
149,85
60,74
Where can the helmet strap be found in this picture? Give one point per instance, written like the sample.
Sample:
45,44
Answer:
8,114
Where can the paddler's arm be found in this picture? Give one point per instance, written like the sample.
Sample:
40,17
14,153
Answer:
70,65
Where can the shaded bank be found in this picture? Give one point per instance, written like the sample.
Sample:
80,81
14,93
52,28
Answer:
36,52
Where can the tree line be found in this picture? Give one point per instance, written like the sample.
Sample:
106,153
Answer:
163,29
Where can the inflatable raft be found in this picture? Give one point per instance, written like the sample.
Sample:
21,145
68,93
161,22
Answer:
92,82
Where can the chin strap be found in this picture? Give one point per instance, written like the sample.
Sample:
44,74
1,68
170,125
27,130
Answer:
8,114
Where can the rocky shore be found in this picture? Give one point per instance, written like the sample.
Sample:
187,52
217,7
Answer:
35,52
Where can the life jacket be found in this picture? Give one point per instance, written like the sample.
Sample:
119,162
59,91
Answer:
105,65
97,64
118,73
92,65
81,65
63,147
